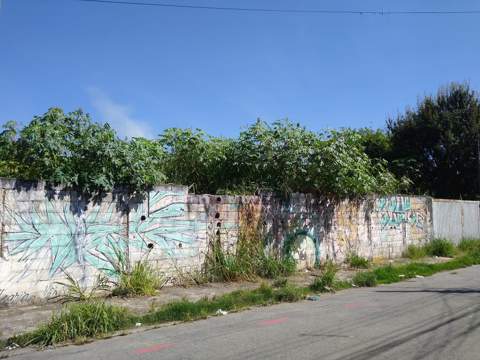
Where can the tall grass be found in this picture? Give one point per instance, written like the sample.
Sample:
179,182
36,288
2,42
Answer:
143,279
356,261
95,319
248,260
436,247
469,245
77,292
327,280
245,263
76,321
440,247
415,252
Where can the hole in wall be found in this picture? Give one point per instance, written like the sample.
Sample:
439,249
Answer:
218,232
217,215
219,199
180,245
219,224
150,245
143,217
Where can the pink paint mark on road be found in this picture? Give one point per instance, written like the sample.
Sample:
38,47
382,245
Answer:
153,348
273,321
356,305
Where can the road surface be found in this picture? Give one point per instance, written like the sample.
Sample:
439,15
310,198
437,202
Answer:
427,318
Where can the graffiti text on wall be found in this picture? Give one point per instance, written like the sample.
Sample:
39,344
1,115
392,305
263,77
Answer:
397,210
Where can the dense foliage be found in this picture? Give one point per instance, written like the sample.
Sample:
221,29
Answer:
73,150
432,149
437,144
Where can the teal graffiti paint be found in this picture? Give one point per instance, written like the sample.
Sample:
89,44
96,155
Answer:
397,210
71,239
164,224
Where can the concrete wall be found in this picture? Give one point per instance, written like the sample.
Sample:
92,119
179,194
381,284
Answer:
47,233
456,219
319,229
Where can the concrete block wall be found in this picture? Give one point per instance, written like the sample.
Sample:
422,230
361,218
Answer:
318,229
48,233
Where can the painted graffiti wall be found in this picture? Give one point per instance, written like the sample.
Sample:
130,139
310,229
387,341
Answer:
48,234
318,229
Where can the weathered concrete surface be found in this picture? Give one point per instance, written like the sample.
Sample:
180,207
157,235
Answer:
49,234
431,318
455,219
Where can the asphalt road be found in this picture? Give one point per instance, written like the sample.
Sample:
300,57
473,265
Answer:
429,318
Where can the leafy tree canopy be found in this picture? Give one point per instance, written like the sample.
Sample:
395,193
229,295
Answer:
72,150
436,144
282,157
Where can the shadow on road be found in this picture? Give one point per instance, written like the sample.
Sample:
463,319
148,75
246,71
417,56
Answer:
439,291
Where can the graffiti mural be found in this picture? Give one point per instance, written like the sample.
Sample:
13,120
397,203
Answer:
397,210
162,223
98,237
84,239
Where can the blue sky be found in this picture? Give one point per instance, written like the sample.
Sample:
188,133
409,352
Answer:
144,69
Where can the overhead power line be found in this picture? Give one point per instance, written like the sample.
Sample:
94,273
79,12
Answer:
289,11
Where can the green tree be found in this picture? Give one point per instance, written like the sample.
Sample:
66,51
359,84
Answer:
436,144
376,143
71,150
196,159
9,165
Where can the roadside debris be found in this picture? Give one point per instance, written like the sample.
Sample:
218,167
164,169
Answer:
12,346
221,312
313,297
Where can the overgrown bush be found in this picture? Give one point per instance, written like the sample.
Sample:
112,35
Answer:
288,293
71,149
356,261
415,252
76,321
440,247
141,280
365,279
326,281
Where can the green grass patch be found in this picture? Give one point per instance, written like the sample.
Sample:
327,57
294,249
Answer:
436,247
76,321
248,262
415,252
357,262
440,247
141,280
97,319
469,245
365,279
325,282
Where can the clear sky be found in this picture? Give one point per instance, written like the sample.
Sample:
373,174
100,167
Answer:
144,69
